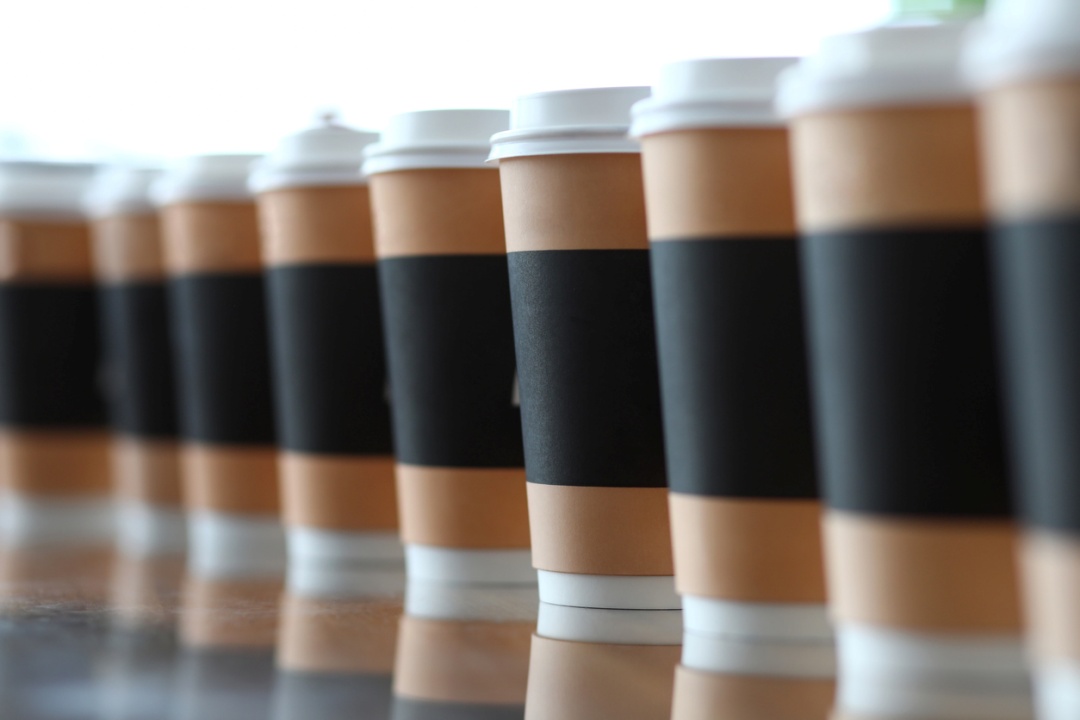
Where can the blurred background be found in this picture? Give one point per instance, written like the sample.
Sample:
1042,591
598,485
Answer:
99,79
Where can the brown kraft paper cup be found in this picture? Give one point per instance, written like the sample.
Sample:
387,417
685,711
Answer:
127,249
704,695
566,204
720,199
449,222
897,172
1030,141
212,240
312,236
72,457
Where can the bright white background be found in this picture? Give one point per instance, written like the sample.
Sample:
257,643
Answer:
161,78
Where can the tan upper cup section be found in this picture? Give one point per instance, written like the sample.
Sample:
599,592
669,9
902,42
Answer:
600,530
887,168
923,575
211,237
441,211
718,182
128,248
574,202
316,225
759,551
1031,141
39,250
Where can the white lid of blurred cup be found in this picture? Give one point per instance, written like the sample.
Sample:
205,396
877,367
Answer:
570,122
714,92
44,190
435,139
121,190
893,65
328,154
206,178
1025,39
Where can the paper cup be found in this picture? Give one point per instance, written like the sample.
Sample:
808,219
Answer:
216,295
53,439
586,350
920,538
336,463
744,498
449,335
1026,64
463,651
130,268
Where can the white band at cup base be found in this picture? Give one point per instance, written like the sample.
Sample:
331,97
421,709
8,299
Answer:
322,579
749,621
230,545
896,698
459,565
459,601
1057,691
318,545
44,191
615,592
867,651
151,530
763,658
620,627
72,522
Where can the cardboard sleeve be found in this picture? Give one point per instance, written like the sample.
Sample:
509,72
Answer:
337,492
469,662
887,167
586,681
230,479
600,530
55,462
147,471
446,211
923,575
718,182
229,613
344,635
1052,594
209,237
708,696
45,251
1032,148
574,202
744,550
308,225
127,248
475,508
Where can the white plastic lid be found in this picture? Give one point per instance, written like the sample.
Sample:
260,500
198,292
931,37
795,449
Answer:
205,177
121,189
890,65
570,122
717,92
330,154
435,139
44,189
1022,39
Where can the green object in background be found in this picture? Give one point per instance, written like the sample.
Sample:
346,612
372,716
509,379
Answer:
942,9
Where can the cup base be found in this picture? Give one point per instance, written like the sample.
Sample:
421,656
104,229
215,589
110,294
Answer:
232,545
151,530
27,521
765,657
756,621
615,592
477,567
309,544
1057,689
617,627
